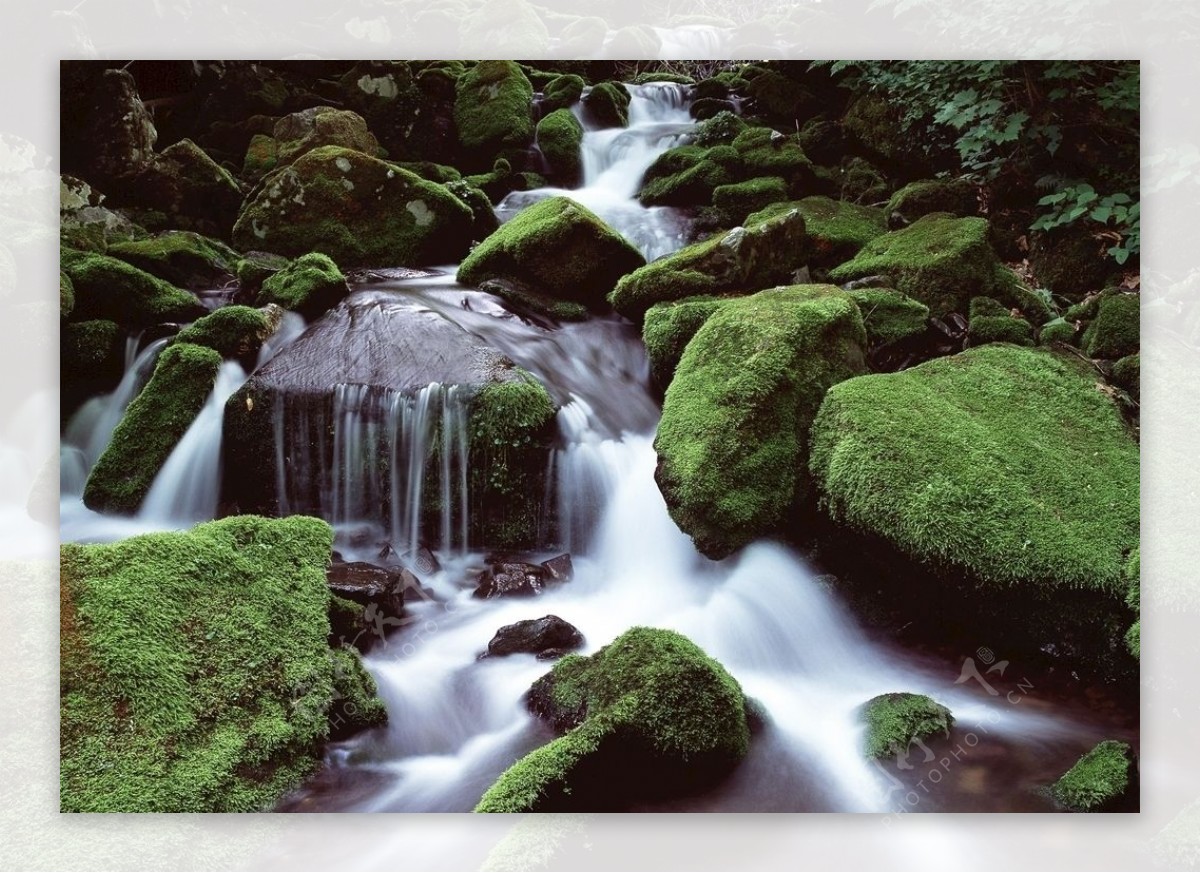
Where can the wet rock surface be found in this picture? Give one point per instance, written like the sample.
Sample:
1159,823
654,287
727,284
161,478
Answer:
547,637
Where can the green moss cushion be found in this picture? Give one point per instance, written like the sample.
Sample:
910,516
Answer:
180,257
992,322
558,247
1098,780
109,288
152,426
310,285
939,260
837,229
669,327
232,331
732,442
895,720
1003,462
356,209
955,196
889,316
493,109
559,135
1116,330
195,672
648,716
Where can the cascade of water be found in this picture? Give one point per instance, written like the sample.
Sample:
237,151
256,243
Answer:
188,487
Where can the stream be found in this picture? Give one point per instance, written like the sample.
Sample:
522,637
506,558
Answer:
780,629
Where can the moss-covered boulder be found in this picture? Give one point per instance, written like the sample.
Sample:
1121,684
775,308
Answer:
151,427
955,196
558,247
1116,330
183,258
1069,261
763,253
1127,374
722,129
493,110
195,674
301,132
668,328
837,229
732,443
738,200
1001,463
876,127
893,721
356,209
1099,781
310,285
889,317
940,260
647,717
262,156
780,99
562,92
109,288
607,105
193,190
558,136
255,268
992,322
1057,330
355,705
859,181
232,331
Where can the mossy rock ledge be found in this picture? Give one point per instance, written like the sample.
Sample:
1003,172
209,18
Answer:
648,717
357,209
733,440
196,675
108,288
557,247
1100,781
1004,472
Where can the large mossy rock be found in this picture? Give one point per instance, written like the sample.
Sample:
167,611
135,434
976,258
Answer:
193,190
889,316
493,109
647,717
992,322
558,247
668,328
310,285
955,196
562,92
301,132
1003,463
1099,781
837,229
559,135
183,258
151,427
1116,330
91,361
607,105
896,720
940,260
109,288
232,331
763,253
357,209
196,676
733,440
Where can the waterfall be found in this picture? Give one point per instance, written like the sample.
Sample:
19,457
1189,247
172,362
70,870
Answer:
395,461
188,487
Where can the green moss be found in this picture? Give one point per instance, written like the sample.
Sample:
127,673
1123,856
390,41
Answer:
765,152
992,322
889,316
195,675
1057,331
763,253
1029,476
955,196
668,328
180,257
493,109
876,125
1116,330
151,427
777,97
1098,780
559,248
1133,599
690,186
739,200
822,140
434,172
108,288
91,350
66,295
256,267
355,705
310,285
722,129
1127,374
607,105
837,229
648,715
301,132
356,209
262,156
562,92
511,430
232,331
732,442
895,720
860,181
662,76
559,135
939,260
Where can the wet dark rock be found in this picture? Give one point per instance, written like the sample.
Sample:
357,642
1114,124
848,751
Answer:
537,636
511,579
552,654
423,559
368,584
560,568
